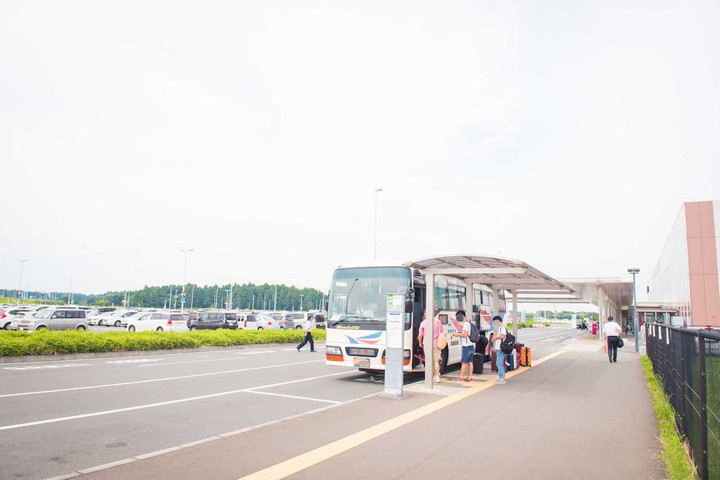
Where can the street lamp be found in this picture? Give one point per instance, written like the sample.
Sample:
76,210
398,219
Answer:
633,272
375,242
182,299
301,298
22,268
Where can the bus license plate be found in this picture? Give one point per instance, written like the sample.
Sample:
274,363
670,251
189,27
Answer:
361,362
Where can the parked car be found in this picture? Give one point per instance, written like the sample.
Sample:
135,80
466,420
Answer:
9,318
57,318
296,319
256,321
268,322
157,321
117,318
213,321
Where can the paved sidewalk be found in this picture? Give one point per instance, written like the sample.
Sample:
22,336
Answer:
576,416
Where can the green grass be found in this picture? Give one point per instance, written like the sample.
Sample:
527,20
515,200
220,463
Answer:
676,461
15,344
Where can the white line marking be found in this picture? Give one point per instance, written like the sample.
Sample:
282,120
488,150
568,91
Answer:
47,367
193,361
161,404
136,360
255,352
293,396
107,465
138,382
159,452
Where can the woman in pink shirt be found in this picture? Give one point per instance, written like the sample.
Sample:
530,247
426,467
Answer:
438,328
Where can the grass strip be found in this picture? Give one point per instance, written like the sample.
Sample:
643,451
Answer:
676,461
44,342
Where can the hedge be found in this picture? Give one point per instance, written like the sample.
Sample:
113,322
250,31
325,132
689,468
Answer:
44,342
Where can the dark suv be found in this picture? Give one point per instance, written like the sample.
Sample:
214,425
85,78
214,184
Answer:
213,321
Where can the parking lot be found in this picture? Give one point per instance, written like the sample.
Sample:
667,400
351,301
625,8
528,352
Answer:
59,417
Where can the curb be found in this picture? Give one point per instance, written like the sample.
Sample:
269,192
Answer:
136,353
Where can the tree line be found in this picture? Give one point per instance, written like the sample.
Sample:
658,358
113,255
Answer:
245,296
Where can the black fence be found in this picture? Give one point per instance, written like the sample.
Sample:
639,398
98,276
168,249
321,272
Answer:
688,363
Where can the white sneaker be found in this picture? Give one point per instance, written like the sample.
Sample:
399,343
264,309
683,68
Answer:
501,381
437,378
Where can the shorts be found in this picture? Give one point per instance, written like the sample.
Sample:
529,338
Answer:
467,354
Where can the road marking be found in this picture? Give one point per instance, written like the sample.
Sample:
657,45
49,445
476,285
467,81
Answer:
136,360
325,452
293,396
138,382
48,367
161,404
193,361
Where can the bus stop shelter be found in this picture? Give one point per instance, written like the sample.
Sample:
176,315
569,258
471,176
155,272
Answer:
497,273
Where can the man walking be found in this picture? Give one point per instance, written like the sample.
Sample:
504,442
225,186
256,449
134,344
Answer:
612,332
468,348
309,325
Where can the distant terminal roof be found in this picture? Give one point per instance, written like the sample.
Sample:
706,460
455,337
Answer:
500,273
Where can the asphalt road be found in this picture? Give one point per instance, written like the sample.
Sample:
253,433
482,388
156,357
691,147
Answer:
59,417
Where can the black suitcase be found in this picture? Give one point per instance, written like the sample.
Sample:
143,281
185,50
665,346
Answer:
478,363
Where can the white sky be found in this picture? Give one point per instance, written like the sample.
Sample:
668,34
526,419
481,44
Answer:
565,135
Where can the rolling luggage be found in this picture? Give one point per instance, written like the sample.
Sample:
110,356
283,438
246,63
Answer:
478,363
526,357
493,361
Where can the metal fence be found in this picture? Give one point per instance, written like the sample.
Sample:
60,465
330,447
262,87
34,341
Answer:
688,364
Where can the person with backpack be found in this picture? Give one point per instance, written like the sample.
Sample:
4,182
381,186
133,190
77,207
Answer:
497,336
468,335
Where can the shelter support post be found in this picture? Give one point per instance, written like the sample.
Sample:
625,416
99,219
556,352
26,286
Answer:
514,313
601,312
469,299
428,340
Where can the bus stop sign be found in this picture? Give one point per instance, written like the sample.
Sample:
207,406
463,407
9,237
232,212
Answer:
394,346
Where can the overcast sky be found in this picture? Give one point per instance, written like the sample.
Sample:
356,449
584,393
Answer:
566,134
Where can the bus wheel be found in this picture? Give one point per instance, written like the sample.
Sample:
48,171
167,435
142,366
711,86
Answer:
443,360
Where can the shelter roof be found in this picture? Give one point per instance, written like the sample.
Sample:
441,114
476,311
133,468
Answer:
498,272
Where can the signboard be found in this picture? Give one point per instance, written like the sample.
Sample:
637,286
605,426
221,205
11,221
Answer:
394,343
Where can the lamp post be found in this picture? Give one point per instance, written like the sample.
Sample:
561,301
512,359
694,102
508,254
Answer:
22,268
301,298
633,272
375,234
182,299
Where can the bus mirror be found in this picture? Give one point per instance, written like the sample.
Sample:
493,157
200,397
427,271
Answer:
408,305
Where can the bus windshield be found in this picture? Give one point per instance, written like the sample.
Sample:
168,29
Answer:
359,295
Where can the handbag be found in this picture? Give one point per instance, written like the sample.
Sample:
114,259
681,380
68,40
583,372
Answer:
442,341
620,343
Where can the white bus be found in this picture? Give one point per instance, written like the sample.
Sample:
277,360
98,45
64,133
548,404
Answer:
357,314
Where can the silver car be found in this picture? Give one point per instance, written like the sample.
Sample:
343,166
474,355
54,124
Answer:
9,318
58,318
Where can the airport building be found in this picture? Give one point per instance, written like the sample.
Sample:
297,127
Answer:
685,280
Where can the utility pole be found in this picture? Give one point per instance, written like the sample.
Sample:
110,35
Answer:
192,297
375,231
633,272
253,304
229,302
21,294
182,299
301,301
275,304
217,290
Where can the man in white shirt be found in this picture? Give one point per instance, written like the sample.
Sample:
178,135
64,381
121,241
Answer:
309,325
468,348
612,332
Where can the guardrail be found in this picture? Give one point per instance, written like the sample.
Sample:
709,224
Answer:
688,364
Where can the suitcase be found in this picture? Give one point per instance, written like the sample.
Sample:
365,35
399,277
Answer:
510,362
478,363
526,357
493,361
